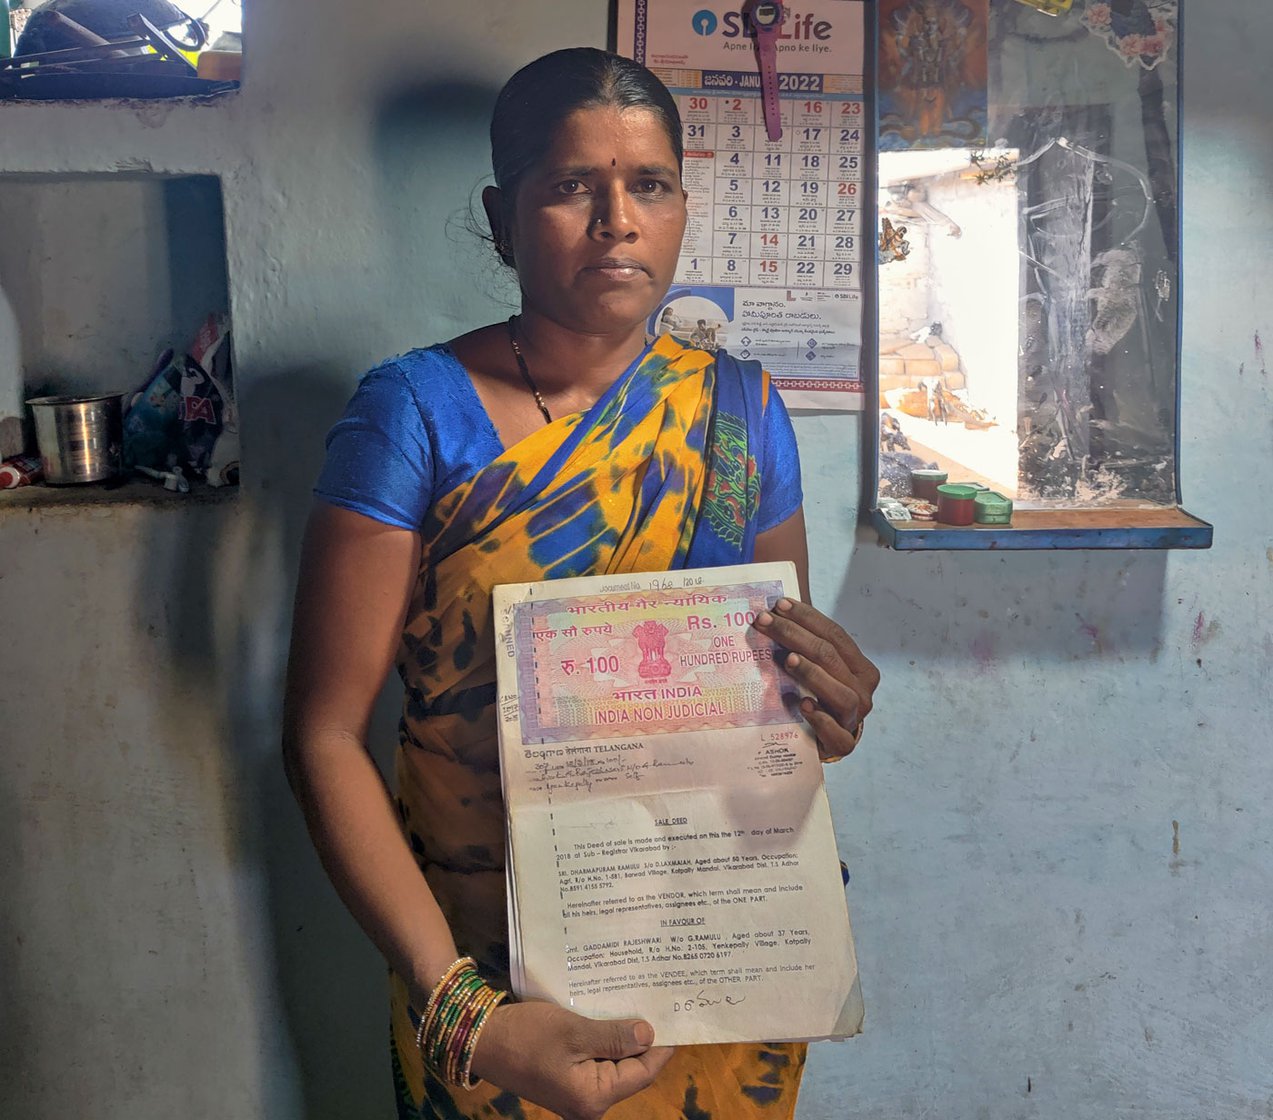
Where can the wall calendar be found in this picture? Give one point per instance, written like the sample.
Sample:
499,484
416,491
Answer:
771,266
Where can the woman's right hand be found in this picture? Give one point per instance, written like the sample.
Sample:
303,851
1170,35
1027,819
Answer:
576,1067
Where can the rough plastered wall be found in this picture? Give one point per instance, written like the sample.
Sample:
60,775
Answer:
1058,824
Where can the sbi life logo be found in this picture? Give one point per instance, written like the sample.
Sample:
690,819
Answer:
732,25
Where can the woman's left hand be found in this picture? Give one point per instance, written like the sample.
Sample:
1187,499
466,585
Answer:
827,663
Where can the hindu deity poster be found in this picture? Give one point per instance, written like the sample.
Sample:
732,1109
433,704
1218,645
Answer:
932,73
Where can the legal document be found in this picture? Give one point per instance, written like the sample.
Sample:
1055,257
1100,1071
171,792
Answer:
670,848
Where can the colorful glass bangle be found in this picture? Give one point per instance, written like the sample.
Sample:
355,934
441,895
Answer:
466,1081
454,1015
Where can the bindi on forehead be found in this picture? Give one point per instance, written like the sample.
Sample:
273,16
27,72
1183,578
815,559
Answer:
614,163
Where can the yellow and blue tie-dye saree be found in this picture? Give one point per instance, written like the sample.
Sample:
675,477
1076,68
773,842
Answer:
661,473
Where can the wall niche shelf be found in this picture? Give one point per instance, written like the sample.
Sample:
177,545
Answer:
99,274
125,492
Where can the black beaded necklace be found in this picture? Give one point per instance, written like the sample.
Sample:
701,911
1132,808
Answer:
521,365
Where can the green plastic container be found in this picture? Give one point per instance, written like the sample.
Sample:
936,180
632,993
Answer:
992,508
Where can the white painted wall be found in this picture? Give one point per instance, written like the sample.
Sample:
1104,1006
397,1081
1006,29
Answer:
974,290
1023,915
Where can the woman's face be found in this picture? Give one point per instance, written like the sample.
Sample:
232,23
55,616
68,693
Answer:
597,224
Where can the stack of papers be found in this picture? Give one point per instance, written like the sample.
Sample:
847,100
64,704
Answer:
670,848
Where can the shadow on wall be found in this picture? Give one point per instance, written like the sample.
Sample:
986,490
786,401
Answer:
232,599
195,216
982,609
229,632
425,161
331,980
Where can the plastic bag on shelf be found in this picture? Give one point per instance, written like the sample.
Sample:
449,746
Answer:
185,416
152,422
211,353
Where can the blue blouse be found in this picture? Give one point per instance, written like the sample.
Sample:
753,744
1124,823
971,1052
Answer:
415,429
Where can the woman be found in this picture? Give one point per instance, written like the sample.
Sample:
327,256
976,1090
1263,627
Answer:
557,444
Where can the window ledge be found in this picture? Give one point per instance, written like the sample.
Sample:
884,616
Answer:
1139,527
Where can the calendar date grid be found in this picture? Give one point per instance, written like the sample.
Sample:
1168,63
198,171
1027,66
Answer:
764,213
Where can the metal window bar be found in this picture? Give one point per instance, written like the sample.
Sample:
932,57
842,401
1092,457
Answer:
107,56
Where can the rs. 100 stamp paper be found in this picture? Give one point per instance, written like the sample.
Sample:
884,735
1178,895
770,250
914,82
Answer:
648,663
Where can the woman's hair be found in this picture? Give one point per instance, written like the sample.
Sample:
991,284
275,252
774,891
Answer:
534,102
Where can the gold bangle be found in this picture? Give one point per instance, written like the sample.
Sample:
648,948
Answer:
470,1047
456,1012
431,1005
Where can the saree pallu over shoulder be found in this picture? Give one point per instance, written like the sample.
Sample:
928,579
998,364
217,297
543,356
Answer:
660,474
